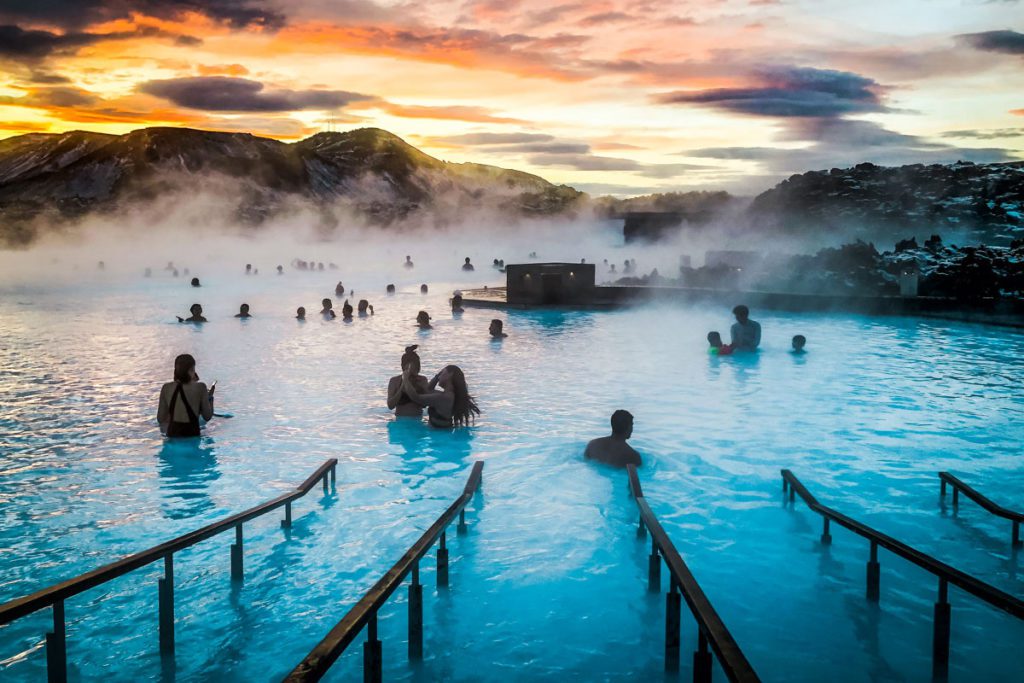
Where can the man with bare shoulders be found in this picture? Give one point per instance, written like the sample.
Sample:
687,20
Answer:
613,449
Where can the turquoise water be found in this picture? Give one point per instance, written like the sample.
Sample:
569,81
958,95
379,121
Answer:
550,583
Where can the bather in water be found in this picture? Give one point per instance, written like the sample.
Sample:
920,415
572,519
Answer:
184,401
613,449
423,320
197,315
363,307
243,311
328,310
398,400
452,406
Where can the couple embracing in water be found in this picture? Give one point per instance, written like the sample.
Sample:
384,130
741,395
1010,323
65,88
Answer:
410,392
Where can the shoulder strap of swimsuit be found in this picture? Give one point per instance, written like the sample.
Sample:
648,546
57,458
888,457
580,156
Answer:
180,391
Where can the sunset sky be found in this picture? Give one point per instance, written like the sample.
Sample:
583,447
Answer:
623,97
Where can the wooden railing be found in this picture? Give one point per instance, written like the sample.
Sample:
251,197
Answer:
710,627
946,574
364,613
998,510
55,595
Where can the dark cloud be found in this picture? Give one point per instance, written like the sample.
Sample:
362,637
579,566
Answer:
47,78
791,92
1007,42
515,143
34,45
846,143
495,138
53,97
605,18
218,93
591,162
987,134
77,14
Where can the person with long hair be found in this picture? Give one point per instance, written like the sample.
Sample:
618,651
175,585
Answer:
398,400
452,406
184,401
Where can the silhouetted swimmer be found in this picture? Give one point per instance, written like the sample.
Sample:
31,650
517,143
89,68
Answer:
175,273
184,401
363,307
186,271
320,266
398,400
467,266
390,289
148,272
408,263
497,329
195,282
716,347
248,269
799,341
101,266
243,311
346,311
328,310
457,303
746,334
613,449
332,266
197,315
452,406
423,289
300,313
169,266
339,289
496,265
533,254
583,260
280,270
423,320
612,268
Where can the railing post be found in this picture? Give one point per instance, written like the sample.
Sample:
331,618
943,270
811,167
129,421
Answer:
826,537
372,659
940,637
287,521
56,647
324,480
874,574
236,555
956,496
673,602
442,563
461,528
165,590
701,659
333,475
653,569
416,614
1016,533
641,530
942,488
792,493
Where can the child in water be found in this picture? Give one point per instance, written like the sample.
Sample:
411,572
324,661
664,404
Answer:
717,348
799,341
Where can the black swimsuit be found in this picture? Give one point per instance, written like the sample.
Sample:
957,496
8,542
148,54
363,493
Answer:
190,428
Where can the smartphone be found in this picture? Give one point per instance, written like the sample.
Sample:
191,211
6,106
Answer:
213,386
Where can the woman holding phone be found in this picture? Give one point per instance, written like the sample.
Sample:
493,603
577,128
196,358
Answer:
184,401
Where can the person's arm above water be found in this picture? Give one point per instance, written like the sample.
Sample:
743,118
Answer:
734,333
394,392
163,411
436,399
205,402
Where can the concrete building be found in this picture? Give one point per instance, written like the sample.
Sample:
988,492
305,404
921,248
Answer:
550,284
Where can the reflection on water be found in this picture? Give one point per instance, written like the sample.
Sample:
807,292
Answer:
187,467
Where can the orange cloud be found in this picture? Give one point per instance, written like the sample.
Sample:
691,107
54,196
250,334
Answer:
1018,112
453,113
221,70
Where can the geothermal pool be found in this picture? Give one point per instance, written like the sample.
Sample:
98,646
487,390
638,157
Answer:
550,582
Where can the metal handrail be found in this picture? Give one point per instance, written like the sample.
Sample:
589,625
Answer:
364,613
55,595
711,628
983,501
945,573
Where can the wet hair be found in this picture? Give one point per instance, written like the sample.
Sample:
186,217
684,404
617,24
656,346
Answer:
457,301
741,310
622,422
423,317
464,408
183,367
193,307
423,289
244,308
714,338
300,312
346,310
497,323
363,305
390,289
195,282
410,356
798,341
326,303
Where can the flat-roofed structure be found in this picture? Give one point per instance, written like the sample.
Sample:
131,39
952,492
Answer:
550,284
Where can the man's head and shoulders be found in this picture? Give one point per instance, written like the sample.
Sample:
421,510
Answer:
613,450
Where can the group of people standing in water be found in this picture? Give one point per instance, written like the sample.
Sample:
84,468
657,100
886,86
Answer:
745,335
445,397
